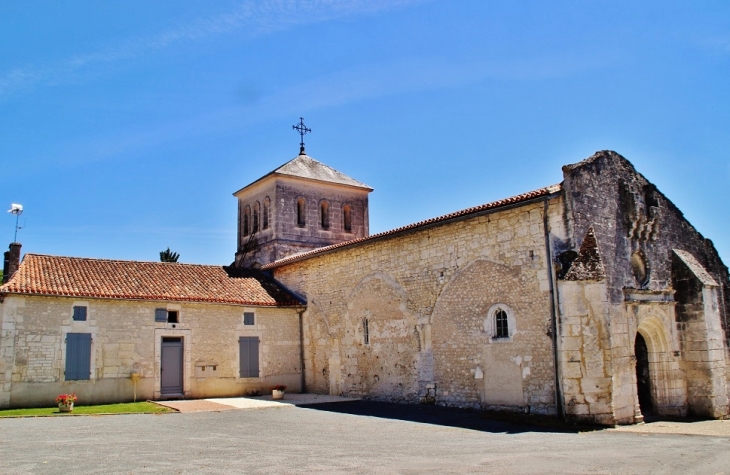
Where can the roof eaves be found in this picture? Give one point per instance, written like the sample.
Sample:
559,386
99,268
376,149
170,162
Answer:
499,205
297,301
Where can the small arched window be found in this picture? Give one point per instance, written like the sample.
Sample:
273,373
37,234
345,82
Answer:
265,215
324,214
256,213
301,213
501,324
246,220
347,218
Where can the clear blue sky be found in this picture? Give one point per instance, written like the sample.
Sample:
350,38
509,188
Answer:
126,126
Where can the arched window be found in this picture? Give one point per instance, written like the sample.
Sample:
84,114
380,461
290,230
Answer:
301,213
347,218
265,215
501,325
324,214
246,220
256,213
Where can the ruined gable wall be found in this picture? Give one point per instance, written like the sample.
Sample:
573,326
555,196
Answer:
125,339
630,217
426,295
628,213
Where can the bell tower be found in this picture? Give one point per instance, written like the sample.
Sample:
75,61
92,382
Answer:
300,206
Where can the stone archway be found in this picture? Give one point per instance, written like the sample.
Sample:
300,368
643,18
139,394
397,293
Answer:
643,376
661,392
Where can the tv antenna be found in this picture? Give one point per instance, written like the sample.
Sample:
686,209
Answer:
17,210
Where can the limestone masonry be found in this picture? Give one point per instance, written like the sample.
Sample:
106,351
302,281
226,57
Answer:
593,300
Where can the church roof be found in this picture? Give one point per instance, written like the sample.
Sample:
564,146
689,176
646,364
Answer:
514,200
114,279
304,166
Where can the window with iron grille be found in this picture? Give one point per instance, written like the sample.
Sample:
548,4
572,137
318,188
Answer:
501,324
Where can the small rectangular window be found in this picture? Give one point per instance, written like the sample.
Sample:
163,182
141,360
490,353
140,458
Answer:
248,318
160,314
172,316
79,314
366,331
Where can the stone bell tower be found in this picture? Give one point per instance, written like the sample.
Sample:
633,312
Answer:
300,206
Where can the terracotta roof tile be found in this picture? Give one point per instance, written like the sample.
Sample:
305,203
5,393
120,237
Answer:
104,278
547,191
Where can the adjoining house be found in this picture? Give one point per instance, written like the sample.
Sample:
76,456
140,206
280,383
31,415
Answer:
88,325
594,300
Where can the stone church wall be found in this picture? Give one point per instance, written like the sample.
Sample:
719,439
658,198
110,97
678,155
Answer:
126,339
637,230
429,297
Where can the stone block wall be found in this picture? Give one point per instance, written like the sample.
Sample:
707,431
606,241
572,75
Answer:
126,339
284,236
429,297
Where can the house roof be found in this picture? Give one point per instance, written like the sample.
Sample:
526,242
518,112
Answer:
494,205
304,166
113,279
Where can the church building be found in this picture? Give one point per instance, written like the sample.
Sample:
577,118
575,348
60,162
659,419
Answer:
593,300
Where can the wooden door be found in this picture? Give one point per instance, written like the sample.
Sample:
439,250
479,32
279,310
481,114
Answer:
171,367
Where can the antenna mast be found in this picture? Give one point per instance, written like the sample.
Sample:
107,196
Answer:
17,210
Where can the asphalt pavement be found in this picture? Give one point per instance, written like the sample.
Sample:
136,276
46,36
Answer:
348,437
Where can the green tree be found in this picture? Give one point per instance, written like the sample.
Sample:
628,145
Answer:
168,256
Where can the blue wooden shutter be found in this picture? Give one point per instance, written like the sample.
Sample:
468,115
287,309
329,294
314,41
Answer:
248,318
248,347
78,356
79,313
160,314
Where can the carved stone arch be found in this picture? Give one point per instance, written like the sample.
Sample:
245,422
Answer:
470,367
383,366
654,332
667,383
318,348
378,275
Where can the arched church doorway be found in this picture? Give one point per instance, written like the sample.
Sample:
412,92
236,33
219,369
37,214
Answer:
643,379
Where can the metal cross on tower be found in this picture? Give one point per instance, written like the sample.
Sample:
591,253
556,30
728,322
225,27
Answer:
303,130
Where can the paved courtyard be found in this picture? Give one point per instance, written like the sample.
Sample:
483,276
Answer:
347,437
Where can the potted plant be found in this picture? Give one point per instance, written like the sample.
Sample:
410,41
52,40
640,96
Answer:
277,391
66,402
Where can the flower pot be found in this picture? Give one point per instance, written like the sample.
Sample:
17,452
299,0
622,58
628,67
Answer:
277,394
66,407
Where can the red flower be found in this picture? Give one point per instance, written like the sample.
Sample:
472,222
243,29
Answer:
66,399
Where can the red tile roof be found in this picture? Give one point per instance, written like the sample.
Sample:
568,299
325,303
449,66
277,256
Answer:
104,278
530,195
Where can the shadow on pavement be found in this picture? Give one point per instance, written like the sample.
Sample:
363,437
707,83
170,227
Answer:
485,421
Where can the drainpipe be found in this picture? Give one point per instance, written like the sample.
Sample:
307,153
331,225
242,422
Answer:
301,350
553,312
